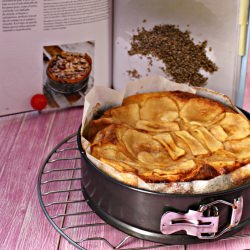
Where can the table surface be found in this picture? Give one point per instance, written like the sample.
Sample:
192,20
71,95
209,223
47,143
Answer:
26,140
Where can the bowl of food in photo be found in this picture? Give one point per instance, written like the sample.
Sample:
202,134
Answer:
68,72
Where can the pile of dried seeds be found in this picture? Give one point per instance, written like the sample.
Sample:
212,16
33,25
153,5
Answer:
183,59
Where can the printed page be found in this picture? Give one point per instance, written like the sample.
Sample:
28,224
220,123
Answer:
246,97
56,47
191,42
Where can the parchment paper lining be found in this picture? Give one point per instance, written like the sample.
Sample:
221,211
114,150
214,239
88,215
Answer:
101,98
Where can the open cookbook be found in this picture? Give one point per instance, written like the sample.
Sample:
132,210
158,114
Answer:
63,48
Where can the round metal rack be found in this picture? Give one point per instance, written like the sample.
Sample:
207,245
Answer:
63,203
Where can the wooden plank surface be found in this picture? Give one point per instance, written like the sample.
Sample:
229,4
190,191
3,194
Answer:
26,140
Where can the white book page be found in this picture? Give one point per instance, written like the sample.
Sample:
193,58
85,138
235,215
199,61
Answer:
210,20
33,31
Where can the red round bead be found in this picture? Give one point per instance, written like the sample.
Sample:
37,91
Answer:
38,102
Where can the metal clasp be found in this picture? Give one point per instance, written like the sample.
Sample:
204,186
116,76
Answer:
199,224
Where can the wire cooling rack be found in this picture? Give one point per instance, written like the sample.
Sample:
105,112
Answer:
62,201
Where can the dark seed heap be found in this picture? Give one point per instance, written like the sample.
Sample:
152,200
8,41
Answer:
182,58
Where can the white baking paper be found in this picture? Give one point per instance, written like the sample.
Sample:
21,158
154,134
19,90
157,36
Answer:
101,98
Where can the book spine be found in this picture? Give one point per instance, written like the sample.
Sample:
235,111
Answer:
243,49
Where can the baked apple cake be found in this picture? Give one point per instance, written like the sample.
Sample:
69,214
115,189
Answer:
69,67
171,137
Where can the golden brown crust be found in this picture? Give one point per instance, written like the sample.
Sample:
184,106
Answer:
170,137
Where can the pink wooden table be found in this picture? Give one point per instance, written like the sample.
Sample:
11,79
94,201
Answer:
26,139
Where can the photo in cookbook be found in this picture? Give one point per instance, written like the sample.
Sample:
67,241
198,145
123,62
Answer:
68,73
78,27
